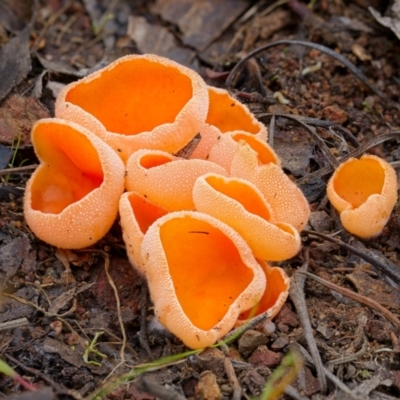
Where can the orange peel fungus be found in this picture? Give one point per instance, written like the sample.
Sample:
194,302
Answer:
166,180
226,114
239,204
138,101
137,214
71,200
285,198
364,192
224,150
201,275
275,294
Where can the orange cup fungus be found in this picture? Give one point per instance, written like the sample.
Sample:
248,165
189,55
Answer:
71,200
166,180
239,204
201,275
138,101
224,150
285,198
137,214
275,294
364,192
226,114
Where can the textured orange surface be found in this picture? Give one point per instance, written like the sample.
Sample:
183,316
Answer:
218,274
128,89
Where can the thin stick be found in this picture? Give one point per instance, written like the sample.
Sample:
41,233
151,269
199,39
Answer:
382,263
296,293
357,297
316,46
17,170
233,380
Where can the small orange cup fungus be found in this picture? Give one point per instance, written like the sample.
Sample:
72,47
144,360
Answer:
285,198
226,114
224,150
275,294
138,101
166,180
364,192
201,275
71,200
239,204
137,214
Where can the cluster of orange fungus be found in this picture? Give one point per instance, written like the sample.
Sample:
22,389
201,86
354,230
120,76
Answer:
364,192
241,205
202,275
138,101
72,198
225,115
195,228
165,179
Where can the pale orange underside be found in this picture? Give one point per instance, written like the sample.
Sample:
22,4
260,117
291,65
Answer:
263,154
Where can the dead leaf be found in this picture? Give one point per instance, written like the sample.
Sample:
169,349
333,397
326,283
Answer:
360,52
15,62
17,115
375,289
200,21
158,40
392,22
11,257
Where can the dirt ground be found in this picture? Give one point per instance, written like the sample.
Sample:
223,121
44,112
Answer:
60,321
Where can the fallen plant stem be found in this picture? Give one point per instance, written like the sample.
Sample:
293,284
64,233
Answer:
294,394
15,323
357,297
33,372
321,144
319,47
351,357
17,170
382,263
333,378
315,122
138,370
233,380
296,293
7,370
156,390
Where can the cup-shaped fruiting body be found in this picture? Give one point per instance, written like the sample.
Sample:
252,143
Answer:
137,214
166,180
201,275
226,114
72,198
274,296
239,204
285,198
364,192
223,151
138,101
